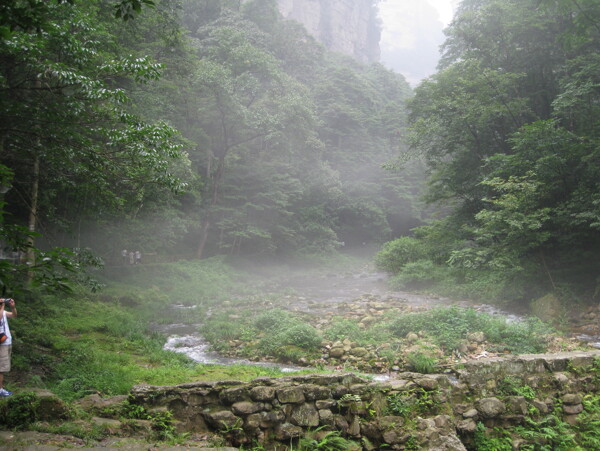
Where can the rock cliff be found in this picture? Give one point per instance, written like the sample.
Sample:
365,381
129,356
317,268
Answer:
350,27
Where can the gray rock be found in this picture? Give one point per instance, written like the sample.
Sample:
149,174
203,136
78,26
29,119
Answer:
571,399
471,413
247,408
573,409
326,417
305,415
232,395
262,393
288,431
467,426
490,407
336,353
222,419
290,395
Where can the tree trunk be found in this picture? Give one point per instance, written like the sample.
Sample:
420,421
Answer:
33,216
203,238
214,199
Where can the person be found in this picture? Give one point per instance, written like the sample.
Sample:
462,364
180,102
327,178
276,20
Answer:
6,346
124,256
138,257
131,257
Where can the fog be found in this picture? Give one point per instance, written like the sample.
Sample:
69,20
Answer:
412,34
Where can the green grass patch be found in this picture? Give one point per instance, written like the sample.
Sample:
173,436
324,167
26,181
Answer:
449,327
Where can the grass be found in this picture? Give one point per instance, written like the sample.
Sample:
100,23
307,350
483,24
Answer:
106,343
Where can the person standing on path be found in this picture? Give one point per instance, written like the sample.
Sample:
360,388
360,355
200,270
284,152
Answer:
6,344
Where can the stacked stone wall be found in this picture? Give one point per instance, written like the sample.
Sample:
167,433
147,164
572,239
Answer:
410,410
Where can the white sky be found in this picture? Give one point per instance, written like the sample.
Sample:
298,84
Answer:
411,34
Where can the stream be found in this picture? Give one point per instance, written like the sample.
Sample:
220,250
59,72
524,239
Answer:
315,295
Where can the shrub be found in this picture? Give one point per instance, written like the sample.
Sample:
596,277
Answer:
422,363
20,410
417,274
449,327
397,253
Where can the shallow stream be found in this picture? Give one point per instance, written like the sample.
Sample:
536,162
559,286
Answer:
314,295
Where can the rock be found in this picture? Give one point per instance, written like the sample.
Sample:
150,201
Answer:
471,413
477,337
222,419
540,405
354,429
233,395
336,353
359,352
326,417
573,409
288,431
107,406
247,408
411,337
325,404
571,399
467,426
262,393
548,308
427,383
316,392
290,395
490,407
305,415
50,407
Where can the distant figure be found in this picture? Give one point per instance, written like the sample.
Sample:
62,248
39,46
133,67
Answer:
131,258
138,257
124,256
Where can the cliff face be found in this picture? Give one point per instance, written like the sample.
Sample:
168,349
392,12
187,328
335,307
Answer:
346,26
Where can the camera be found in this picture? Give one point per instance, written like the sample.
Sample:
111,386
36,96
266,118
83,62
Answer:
7,301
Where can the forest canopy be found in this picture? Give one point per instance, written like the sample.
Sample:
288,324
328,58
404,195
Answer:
190,129
510,128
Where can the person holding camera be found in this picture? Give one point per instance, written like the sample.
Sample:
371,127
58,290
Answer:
5,340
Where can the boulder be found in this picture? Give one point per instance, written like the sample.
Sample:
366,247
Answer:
490,407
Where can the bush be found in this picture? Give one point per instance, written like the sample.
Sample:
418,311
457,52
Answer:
395,254
449,327
417,274
19,410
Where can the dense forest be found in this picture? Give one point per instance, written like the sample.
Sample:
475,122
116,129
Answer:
192,129
509,130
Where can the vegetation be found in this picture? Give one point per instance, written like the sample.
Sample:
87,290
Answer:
509,130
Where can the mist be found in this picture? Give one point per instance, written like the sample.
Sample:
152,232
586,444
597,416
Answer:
307,192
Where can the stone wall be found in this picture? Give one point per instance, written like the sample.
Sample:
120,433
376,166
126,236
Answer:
345,26
435,412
